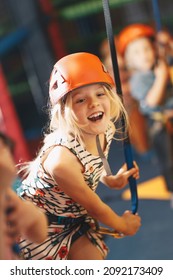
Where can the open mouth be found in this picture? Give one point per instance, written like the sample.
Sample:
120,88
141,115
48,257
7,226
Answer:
96,116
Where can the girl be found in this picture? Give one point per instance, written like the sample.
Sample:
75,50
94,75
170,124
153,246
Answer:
17,217
65,174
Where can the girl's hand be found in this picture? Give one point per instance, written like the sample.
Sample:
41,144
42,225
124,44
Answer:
133,223
120,180
161,70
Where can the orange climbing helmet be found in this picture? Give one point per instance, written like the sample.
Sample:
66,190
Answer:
74,71
132,32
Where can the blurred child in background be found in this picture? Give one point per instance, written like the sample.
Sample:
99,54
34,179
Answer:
151,86
17,218
138,126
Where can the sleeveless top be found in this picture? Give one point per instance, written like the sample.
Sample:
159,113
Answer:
67,219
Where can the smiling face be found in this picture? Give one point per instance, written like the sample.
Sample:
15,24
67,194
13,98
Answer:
91,109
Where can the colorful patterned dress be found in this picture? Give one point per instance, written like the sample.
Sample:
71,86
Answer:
67,219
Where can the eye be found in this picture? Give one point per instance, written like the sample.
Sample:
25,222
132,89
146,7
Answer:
100,94
81,100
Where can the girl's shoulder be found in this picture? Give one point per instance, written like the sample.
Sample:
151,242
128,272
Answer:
59,159
60,151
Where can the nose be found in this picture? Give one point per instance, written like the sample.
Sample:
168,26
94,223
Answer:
93,102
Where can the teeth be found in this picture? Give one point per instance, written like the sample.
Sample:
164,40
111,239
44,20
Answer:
95,115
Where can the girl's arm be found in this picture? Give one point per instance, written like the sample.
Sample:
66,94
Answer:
157,92
27,220
37,228
66,170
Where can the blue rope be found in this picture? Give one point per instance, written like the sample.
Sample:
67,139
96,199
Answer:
127,146
132,182
157,16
